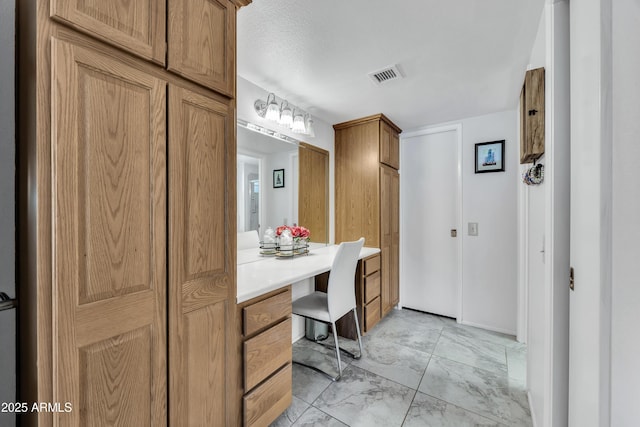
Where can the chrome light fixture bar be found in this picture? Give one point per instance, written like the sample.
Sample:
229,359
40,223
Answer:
268,132
285,114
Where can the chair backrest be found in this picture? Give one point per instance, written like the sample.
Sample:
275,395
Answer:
248,240
341,291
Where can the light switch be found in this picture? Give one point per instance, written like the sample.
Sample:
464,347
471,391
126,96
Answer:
473,229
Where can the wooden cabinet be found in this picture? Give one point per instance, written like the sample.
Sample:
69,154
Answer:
195,38
128,256
390,236
201,262
367,195
266,355
389,145
532,116
135,26
108,216
201,42
313,191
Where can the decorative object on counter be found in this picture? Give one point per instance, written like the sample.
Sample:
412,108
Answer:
292,240
534,175
269,243
287,115
278,178
490,157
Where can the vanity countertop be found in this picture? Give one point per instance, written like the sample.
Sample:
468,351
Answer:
258,274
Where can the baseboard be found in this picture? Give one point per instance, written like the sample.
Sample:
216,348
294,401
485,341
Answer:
533,416
489,328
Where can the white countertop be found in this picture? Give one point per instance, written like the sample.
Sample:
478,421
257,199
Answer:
258,274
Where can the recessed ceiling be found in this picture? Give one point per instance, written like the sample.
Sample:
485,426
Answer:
458,59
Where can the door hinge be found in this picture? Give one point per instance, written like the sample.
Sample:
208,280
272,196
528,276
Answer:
571,279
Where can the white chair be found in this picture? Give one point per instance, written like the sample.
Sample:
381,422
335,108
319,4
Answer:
339,299
248,240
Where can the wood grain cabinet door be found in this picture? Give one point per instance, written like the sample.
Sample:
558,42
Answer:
394,278
137,26
201,39
313,198
386,193
202,232
109,235
389,146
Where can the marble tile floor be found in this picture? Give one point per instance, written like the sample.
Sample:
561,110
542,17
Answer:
417,370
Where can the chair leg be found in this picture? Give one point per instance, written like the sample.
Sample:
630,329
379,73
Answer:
335,337
355,317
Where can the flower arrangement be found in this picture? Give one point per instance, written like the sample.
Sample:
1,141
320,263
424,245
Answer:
298,233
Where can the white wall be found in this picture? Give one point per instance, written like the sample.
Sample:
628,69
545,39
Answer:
544,212
625,342
278,202
532,214
489,261
591,208
534,241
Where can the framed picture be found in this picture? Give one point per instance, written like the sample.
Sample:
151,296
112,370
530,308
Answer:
278,178
490,157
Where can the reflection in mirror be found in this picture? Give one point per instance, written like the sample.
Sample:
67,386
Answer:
261,204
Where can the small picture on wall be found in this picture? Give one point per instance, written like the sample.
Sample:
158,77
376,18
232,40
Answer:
490,157
278,178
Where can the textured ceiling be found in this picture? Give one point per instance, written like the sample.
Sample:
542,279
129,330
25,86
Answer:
460,58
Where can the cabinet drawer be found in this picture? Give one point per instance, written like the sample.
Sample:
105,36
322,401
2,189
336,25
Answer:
371,265
372,314
267,312
264,404
265,353
371,287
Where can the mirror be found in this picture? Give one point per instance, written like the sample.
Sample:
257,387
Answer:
281,183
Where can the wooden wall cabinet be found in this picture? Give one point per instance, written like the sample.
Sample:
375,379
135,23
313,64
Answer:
367,195
193,38
532,116
127,257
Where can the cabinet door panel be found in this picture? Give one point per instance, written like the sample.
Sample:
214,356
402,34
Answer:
109,227
136,26
201,40
389,146
394,279
386,189
201,258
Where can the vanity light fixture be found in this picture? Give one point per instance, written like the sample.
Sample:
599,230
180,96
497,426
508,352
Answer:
285,114
259,129
272,110
298,123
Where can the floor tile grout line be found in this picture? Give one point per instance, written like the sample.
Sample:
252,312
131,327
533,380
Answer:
465,409
443,330
419,383
470,366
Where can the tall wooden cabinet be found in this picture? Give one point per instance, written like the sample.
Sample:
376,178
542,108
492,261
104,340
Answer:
367,195
127,211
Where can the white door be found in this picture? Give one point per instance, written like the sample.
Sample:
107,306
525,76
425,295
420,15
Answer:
430,211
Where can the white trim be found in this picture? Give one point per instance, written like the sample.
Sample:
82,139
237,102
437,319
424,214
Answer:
523,265
547,410
533,414
489,328
457,127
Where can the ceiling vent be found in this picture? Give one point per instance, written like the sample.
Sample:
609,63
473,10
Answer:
386,75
